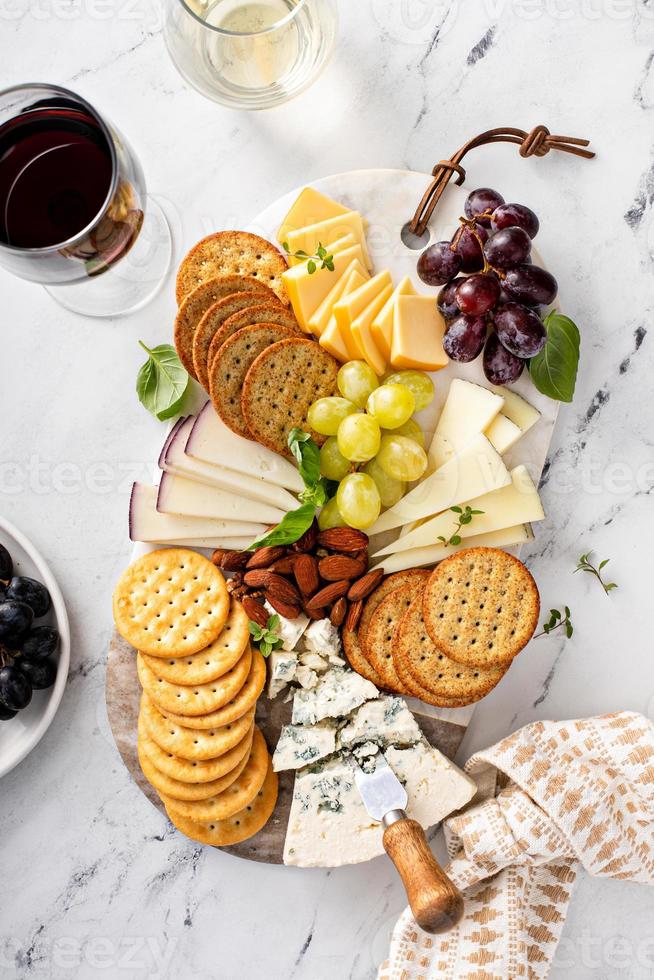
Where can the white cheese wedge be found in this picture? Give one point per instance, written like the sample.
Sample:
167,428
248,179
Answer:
147,524
475,470
502,433
228,544
299,746
324,638
178,495
337,693
468,410
386,721
174,459
281,671
517,410
289,630
212,442
430,555
329,825
516,503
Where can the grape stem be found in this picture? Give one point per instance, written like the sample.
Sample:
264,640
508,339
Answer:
6,656
471,225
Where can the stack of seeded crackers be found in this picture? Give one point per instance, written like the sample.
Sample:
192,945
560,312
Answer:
198,744
447,636
235,334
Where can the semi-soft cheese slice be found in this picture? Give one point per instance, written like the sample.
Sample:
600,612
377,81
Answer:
328,824
211,441
325,233
476,470
502,433
418,332
431,554
310,207
517,410
469,408
319,320
516,503
362,334
147,524
174,459
339,344
382,325
178,495
347,241
306,290
352,304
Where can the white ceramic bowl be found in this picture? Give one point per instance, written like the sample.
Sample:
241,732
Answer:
19,736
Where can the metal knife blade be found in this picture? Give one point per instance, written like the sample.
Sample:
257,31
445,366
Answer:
381,790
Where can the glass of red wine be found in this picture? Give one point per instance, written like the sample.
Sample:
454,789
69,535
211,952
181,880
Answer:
74,215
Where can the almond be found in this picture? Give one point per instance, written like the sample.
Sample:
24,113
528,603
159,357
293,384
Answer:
257,578
308,540
255,611
283,566
231,561
315,613
305,569
337,567
354,615
365,585
325,597
281,589
346,539
264,557
286,609
338,612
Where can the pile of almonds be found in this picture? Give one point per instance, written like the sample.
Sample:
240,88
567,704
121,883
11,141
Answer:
324,574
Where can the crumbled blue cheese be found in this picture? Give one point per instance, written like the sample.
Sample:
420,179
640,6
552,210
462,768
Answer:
315,661
366,755
299,746
281,670
306,677
322,637
386,721
289,630
329,825
337,693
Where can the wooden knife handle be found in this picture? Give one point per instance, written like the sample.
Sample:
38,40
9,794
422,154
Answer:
435,901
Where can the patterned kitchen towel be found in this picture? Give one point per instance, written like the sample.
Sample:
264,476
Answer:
575,792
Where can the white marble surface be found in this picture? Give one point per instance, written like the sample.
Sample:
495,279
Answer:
93,882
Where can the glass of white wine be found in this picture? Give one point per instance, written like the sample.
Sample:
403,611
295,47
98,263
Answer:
250,54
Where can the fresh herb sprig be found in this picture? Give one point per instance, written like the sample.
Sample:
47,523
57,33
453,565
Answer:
556,621
266,636
314,495
162,382
466,515
321,260
584,564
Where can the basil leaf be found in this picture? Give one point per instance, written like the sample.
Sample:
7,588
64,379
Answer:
554,369
289,529
307,455
316,495
162,382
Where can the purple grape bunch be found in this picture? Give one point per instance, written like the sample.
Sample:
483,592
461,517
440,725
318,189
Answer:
492,295
26,650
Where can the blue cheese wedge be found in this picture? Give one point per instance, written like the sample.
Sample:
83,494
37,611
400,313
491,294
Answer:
289,630
329,825
323,638
386,721
314,661
298,746
306,677
366,755
337,693
282,668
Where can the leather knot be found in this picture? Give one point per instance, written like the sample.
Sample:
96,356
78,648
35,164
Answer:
535,143
454,168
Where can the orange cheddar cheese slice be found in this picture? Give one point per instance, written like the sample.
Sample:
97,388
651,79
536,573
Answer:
418,333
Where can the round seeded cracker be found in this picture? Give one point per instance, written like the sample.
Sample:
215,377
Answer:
196,304
481,607
212,662
230,367
381,636
240,826
171,603
356,658
232,253
262,313
281,385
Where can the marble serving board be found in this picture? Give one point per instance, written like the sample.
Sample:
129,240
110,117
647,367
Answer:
387,199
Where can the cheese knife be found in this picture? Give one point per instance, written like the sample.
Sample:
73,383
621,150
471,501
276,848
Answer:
436,903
